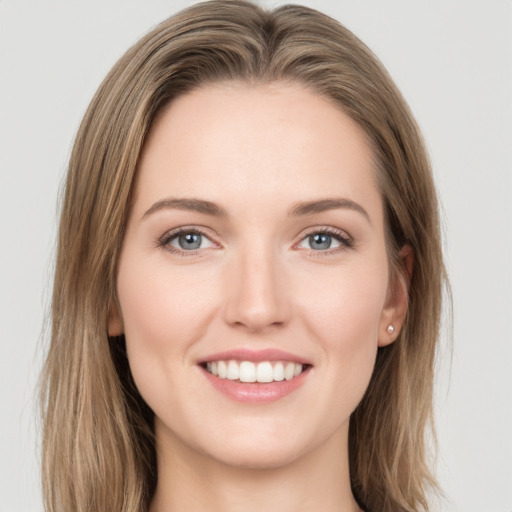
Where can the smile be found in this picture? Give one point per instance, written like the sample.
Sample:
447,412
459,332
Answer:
248,371
255,377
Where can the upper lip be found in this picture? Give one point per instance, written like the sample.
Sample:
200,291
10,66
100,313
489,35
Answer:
243,354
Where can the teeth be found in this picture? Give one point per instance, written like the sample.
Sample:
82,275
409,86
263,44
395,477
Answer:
222,369
233,370
279,372
247,371
264,372
289,371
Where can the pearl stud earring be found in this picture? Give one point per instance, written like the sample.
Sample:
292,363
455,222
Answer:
390,329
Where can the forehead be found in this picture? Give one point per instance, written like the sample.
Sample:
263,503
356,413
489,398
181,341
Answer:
239,143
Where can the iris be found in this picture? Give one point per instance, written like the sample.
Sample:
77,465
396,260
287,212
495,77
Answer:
320,241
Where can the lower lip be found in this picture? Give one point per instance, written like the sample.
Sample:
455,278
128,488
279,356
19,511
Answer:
256,392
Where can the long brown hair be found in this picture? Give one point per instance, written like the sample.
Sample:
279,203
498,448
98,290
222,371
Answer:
98,444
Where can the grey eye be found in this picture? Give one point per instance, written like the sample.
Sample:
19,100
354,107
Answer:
320,241
190,241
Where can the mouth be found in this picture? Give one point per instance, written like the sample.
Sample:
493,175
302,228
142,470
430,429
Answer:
255,377
263,372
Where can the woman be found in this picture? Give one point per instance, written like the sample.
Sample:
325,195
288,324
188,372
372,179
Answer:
249,276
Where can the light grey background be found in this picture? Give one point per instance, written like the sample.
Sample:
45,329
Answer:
451,58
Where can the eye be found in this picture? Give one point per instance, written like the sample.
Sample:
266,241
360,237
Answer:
325,240
185,241
321,241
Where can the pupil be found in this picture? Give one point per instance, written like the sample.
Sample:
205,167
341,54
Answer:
320,241
190,241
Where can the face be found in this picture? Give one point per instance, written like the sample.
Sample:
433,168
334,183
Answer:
253,281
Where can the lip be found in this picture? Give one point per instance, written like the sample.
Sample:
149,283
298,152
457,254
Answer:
256,392
256,356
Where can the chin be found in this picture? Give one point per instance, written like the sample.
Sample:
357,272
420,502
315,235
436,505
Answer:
257,457
264,447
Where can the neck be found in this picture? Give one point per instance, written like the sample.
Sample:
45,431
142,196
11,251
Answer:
317,481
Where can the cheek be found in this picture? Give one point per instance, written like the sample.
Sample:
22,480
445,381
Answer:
163,315
159,302
345,303
342,312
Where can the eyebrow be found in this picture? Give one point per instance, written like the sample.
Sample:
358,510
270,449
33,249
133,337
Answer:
299,209
322,205
189,204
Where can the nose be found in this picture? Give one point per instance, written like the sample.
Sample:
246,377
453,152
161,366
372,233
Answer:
257,298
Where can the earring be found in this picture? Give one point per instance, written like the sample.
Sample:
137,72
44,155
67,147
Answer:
390,329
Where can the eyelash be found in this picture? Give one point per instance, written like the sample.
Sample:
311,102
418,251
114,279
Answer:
342,237
164,241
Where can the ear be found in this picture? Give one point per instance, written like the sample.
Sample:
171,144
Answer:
395,308
115,322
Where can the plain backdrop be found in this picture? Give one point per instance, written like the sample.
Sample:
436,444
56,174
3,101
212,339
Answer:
452,60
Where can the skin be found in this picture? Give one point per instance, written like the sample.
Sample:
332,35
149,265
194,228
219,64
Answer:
256,151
